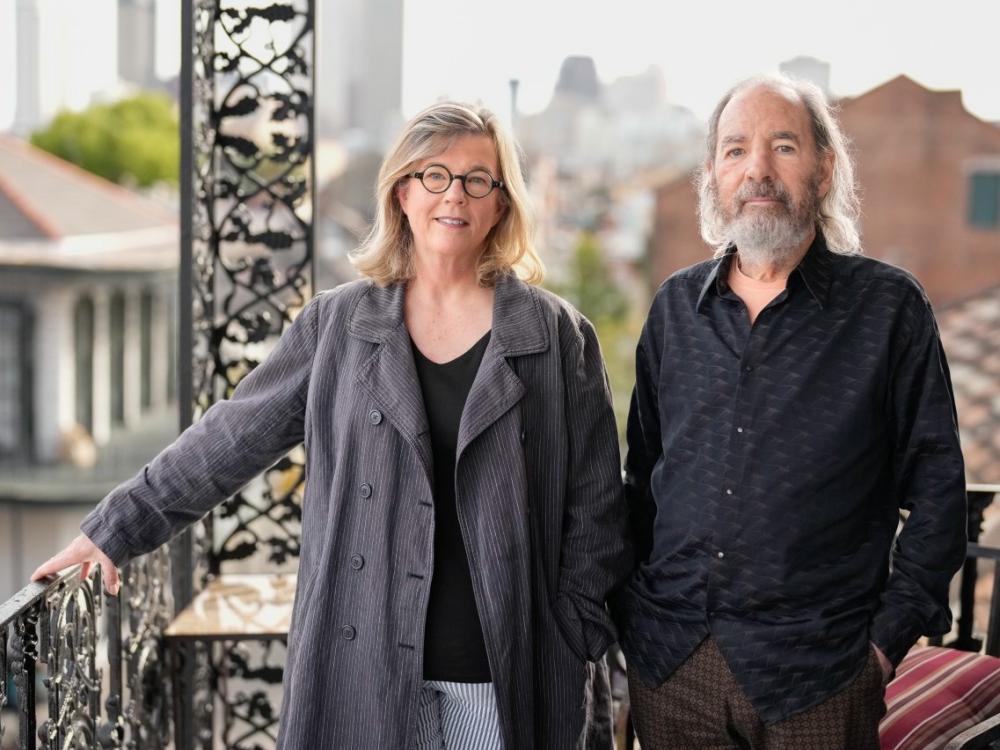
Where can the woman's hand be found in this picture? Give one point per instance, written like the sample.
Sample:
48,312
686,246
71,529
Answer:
81,551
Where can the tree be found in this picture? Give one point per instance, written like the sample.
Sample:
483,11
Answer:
134,141
589,285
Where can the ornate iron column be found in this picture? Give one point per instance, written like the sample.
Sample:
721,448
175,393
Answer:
247,176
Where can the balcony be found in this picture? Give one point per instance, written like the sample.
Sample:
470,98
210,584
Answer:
86,669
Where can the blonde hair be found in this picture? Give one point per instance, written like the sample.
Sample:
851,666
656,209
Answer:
386,254
839,210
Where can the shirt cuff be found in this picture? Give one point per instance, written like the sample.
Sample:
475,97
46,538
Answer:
894,632
105,538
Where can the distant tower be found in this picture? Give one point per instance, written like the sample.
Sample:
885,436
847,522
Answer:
137,41
360,45
67,57
578,78
513,102
808,69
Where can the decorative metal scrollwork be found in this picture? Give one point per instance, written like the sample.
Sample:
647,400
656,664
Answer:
69,637
149,603
250,687
24,659
252,234
3,677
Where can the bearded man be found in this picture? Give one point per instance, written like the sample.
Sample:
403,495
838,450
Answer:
791,397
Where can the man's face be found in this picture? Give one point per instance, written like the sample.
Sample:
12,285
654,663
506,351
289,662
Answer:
766,177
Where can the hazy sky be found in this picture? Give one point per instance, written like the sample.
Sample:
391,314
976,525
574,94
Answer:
470,49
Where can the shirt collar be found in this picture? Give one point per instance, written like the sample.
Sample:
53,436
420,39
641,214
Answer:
814,272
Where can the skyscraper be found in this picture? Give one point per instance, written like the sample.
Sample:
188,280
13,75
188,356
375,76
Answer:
67,56
360,63
137,41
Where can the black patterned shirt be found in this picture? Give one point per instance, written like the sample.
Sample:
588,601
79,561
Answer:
766,468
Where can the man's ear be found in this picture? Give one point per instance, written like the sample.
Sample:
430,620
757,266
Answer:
826,163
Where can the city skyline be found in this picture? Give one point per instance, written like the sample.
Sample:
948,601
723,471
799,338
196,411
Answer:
472,51
701,50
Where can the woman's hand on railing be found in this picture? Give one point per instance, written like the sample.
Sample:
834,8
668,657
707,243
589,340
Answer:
81,551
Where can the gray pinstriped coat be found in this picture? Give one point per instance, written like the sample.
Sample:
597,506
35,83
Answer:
538,491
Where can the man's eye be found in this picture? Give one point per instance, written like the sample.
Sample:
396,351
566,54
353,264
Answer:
734,152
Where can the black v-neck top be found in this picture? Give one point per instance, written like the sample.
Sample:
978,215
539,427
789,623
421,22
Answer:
454,648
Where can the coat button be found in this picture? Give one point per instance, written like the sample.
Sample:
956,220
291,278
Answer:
348,632
375,416
365,490
357,562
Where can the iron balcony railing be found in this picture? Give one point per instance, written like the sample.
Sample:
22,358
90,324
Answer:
82,669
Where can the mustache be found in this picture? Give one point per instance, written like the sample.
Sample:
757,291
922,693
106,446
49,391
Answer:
769,189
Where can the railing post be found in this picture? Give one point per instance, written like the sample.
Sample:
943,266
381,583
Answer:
25,657
965,640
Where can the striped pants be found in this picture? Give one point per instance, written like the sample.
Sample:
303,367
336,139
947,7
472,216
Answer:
458,716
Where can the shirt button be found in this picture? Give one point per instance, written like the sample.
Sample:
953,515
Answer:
365,490
348,633
739,429
729,491
375,416
720,554
357,562
747,368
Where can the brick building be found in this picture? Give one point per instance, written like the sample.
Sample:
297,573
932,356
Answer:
930,176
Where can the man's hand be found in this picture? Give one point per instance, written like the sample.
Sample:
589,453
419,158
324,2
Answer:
885,664
81,551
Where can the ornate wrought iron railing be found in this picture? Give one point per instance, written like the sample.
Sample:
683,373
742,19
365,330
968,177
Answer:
247,176
82,669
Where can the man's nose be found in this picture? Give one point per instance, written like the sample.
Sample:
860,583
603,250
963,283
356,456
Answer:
759,165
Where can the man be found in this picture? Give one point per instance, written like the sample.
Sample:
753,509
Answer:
791,397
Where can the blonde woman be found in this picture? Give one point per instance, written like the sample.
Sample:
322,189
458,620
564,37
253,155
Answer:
462,520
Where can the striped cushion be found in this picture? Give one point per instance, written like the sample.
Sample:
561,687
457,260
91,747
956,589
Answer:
937,693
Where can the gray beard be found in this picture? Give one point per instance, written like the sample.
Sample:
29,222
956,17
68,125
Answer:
768,240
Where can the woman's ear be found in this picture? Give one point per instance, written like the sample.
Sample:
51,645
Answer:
402,191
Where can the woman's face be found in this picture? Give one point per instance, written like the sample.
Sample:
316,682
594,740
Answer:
453,223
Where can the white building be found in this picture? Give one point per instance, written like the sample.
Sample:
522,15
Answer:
87,354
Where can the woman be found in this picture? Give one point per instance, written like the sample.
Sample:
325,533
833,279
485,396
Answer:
462,523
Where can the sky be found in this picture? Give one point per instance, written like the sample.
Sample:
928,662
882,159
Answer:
471,49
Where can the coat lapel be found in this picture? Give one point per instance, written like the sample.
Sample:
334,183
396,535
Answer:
518,329
390,375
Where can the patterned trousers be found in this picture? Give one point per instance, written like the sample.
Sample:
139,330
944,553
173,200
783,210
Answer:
701,707
458,716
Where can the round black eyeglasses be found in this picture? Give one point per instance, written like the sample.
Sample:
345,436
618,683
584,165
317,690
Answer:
477,183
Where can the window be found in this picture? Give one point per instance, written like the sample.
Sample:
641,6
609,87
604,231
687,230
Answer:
117,350
146,348
984,199
83,337
14,383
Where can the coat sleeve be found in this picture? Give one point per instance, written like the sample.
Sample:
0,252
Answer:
930,484
595,555
644,446
234,441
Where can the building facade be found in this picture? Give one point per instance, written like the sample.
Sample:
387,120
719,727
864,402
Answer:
88,283
930,178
